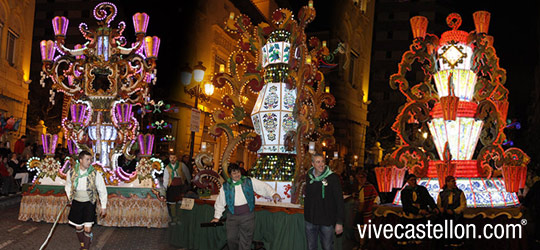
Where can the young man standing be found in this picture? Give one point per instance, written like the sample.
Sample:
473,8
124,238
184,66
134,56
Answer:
323,205
83,187
176,180
237,193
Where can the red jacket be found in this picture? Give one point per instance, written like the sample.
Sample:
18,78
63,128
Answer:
3,170
19,147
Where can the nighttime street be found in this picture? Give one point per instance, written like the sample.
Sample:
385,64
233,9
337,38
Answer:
17,235
269,124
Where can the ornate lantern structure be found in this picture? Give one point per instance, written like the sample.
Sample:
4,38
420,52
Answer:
103,79
272,114
467,105
289,112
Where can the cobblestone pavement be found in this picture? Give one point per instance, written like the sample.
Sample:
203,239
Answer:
15,234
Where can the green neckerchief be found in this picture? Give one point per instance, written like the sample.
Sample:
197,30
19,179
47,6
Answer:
236,183
174,168
321,177
77,169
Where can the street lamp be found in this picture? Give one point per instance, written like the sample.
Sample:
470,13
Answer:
187,76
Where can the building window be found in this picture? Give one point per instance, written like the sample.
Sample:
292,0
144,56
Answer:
218,61
11,47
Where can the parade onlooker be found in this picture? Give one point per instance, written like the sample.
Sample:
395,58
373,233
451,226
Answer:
187,164
451,203
20,171
19,145
83,187
7,176
323,205
238,194
28,152
242,168
365,198
14,163
4,149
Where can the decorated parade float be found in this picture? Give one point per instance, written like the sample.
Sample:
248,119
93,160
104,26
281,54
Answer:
277,62
103,82
461,100
285,69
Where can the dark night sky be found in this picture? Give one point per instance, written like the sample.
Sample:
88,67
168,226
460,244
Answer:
514,27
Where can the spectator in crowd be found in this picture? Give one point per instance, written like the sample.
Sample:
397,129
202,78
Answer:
238,195
365,197
6,173
242,168
28,152
4,149
186,162
19,145
19,169
323,205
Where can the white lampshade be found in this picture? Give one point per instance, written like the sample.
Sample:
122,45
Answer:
198,72
185,78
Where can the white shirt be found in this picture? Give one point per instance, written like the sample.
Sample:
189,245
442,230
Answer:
185,171
259,187
81,195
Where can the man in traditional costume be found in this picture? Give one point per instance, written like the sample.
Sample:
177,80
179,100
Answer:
176,180
417,205
83,187
451,203
238,194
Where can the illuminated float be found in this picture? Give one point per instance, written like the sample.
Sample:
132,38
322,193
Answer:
102,82
277,62
465,103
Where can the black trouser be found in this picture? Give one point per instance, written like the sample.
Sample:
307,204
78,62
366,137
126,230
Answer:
7,184
240,230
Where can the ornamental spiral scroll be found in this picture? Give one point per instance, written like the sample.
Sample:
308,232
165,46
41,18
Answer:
492,131
412,158
489,159
411,123
419,51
